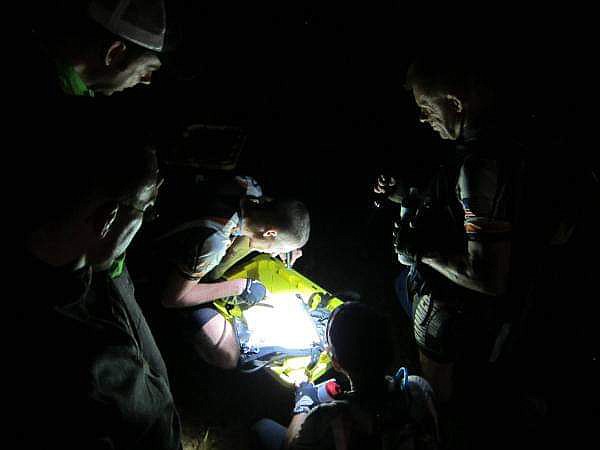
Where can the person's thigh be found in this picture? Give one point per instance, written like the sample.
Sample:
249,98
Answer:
217,343
269,434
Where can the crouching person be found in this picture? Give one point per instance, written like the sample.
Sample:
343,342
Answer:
225,223
378,412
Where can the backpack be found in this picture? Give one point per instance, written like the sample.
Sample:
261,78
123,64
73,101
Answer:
406,420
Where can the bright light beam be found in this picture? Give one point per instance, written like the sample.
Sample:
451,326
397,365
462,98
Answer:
287,324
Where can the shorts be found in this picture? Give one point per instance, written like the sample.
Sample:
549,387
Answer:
437,328
195,318
445,328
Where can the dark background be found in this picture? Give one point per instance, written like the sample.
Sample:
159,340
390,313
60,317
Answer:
317,88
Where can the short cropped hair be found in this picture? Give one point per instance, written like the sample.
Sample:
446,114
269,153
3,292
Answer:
440,73
290,217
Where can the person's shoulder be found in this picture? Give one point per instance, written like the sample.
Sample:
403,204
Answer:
316,430
198,239
323,414
333,407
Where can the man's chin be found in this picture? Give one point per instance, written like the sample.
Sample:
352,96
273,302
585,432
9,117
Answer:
405,261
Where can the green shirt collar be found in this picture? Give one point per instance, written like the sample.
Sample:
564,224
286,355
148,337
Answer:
70,81
118,267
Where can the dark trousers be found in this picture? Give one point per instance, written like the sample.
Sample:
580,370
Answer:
269,435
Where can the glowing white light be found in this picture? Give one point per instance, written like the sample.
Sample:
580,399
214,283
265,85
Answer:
286,324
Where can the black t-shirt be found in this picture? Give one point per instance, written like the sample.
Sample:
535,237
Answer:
92,375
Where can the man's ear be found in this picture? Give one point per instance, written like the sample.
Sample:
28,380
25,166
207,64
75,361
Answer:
115,52
456,102
103,218
270,233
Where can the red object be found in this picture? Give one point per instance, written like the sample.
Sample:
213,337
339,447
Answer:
333,389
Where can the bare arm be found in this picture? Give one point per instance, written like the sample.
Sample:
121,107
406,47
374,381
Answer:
181,292
294,429
484,268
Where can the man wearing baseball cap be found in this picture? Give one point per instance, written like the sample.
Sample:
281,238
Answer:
100,46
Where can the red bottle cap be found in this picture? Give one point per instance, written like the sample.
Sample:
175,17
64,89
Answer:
333,389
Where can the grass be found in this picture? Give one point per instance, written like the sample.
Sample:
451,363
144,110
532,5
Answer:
206,440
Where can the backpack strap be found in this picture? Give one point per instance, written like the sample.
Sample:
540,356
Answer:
253,362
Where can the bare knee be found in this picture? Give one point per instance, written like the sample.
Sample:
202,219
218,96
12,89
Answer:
223,358
217,344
